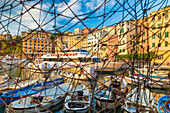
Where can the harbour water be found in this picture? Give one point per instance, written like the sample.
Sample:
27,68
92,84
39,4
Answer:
59,109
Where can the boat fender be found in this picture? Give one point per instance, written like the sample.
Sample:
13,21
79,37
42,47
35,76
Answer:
32,102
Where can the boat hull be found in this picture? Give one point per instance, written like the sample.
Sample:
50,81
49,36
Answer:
83,110
39,109
24,92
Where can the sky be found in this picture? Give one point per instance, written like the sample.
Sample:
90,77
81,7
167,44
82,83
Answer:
60,15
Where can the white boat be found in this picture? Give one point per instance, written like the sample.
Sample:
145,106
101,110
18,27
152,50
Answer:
140,99
3,78
79,100
111,97
9,60
16,84
72,57
153,80
41,101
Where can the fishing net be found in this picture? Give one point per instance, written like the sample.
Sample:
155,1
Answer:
119,50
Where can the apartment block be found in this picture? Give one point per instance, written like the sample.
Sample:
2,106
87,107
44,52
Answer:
159,34
36,43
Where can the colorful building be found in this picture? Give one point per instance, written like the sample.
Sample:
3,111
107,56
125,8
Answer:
36,43
159,34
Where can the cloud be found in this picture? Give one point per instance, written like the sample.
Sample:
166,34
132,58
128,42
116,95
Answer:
76,8
29,19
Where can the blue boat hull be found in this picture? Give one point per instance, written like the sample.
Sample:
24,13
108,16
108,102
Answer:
163,104
27,91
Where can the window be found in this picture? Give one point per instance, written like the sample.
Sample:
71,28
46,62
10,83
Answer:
25,43
159,17
159,25
153,36
38,41
133,49
130,36
153,27
153,19
153,44
120,50
166,34
159,35
123,50
144,41
30,40
25,50
122,30
166,44
34,41
143,33
166,16
166,24
120,36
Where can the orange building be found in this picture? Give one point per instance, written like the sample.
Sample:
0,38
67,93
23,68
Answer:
36,43
6,36
112,46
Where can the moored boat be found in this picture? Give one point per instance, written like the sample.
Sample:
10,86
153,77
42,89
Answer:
13,95
140,99
153,80
79,100
111,97
163,104
41,101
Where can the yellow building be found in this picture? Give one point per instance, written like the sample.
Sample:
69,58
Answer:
36,43
159,34
6,36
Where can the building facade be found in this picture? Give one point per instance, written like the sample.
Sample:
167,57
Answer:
159,34
36,43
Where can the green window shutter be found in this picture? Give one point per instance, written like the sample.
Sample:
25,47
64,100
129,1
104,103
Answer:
153,27
153,36
120,50
123,50
122,30
144,41
143,33
159,25
133,49
153,44
120,36
159,35
166,34
166,44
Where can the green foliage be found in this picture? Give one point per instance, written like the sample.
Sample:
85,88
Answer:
144,56
8,49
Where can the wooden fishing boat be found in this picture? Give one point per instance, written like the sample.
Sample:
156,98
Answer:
16,84
163,104
140,99
111,97
160,81
27,91
79,101
41,101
